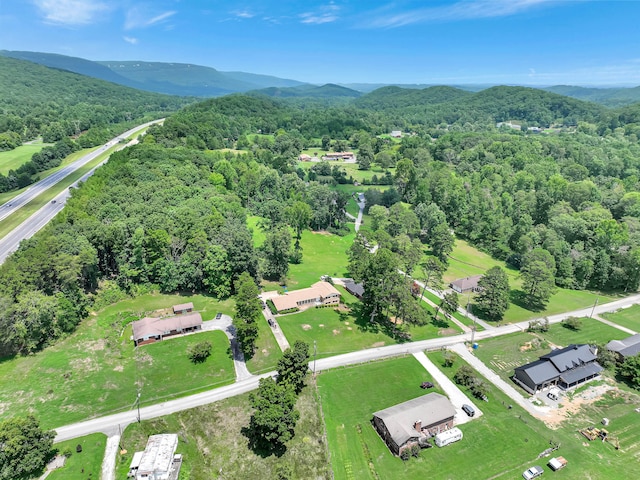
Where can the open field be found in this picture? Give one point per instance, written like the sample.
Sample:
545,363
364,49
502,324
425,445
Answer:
94,371
83,465
351,169
503,354
13,159
267,350
626,317
213,445
466,260
517,438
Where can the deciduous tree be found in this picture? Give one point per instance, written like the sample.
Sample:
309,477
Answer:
493,298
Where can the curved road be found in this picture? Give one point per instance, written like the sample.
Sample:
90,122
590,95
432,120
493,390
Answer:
11,242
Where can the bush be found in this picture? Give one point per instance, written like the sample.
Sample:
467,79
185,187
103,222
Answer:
572,323
199,352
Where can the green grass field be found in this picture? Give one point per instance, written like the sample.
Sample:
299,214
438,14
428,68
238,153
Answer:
94,371
517,439
502,354
626,317
13,159
213,444
467,260
351,169
267,350
84,465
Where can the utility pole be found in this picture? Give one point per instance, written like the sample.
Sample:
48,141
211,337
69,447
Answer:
473,328
138,403
315,351
594,307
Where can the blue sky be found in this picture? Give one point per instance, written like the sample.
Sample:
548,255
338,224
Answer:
533,42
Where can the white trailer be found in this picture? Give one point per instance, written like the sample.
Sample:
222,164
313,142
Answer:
449,436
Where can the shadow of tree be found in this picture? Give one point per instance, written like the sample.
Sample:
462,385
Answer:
519,298
261,447
439,322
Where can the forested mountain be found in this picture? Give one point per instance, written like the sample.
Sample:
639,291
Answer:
611,97
168,78
329,90
171,212
58,105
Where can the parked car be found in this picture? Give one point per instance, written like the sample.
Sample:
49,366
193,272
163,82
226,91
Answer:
533,472
426,385
469,410
218,316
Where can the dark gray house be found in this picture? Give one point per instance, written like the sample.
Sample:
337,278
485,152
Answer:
355,289
625,348
406,424
564,367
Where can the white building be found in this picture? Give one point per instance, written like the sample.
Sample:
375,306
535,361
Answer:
158,461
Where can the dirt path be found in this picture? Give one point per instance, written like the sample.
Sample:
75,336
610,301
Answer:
109,460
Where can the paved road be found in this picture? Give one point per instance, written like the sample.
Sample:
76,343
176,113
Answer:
109,424
490,375
28,228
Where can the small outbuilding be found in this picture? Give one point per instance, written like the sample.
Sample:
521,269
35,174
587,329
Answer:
183,308
466,284
625,348
414,422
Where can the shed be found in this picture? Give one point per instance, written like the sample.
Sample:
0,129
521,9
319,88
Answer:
183,308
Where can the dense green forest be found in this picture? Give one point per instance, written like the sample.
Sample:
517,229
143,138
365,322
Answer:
171,212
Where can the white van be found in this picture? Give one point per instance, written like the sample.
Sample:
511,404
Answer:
445,438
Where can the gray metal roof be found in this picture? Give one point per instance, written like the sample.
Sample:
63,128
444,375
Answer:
540,371
627,347
580,373
570,357
354,288
430,409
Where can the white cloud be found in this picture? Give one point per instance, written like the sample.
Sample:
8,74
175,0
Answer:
70,12
325,14
131,40
461,10
243,13
140,18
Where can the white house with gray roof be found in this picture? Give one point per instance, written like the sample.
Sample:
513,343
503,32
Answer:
415,421
564,367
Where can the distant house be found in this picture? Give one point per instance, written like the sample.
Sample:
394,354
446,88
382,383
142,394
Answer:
304,157
339,156
158,461
514,126
565,367
625,348
396,134
355,289
320,293
183,308
466,284
149,330
413,422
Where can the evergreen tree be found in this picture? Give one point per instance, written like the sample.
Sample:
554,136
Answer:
248,308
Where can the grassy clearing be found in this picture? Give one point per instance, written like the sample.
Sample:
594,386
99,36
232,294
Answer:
466,261
342,332
323,254
94,372
512,439
13,159
267,350
83,465
351,169
258,234
213,445
626,317
503,354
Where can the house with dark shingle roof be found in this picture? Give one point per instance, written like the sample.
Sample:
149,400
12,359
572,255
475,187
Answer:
625,348
564,367
466,284
409,423
355,289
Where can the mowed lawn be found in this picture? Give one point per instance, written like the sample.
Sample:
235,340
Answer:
13,159
466,261
83,465
213,443
626,317
351,169
96,370
267,351
504,442
502,354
